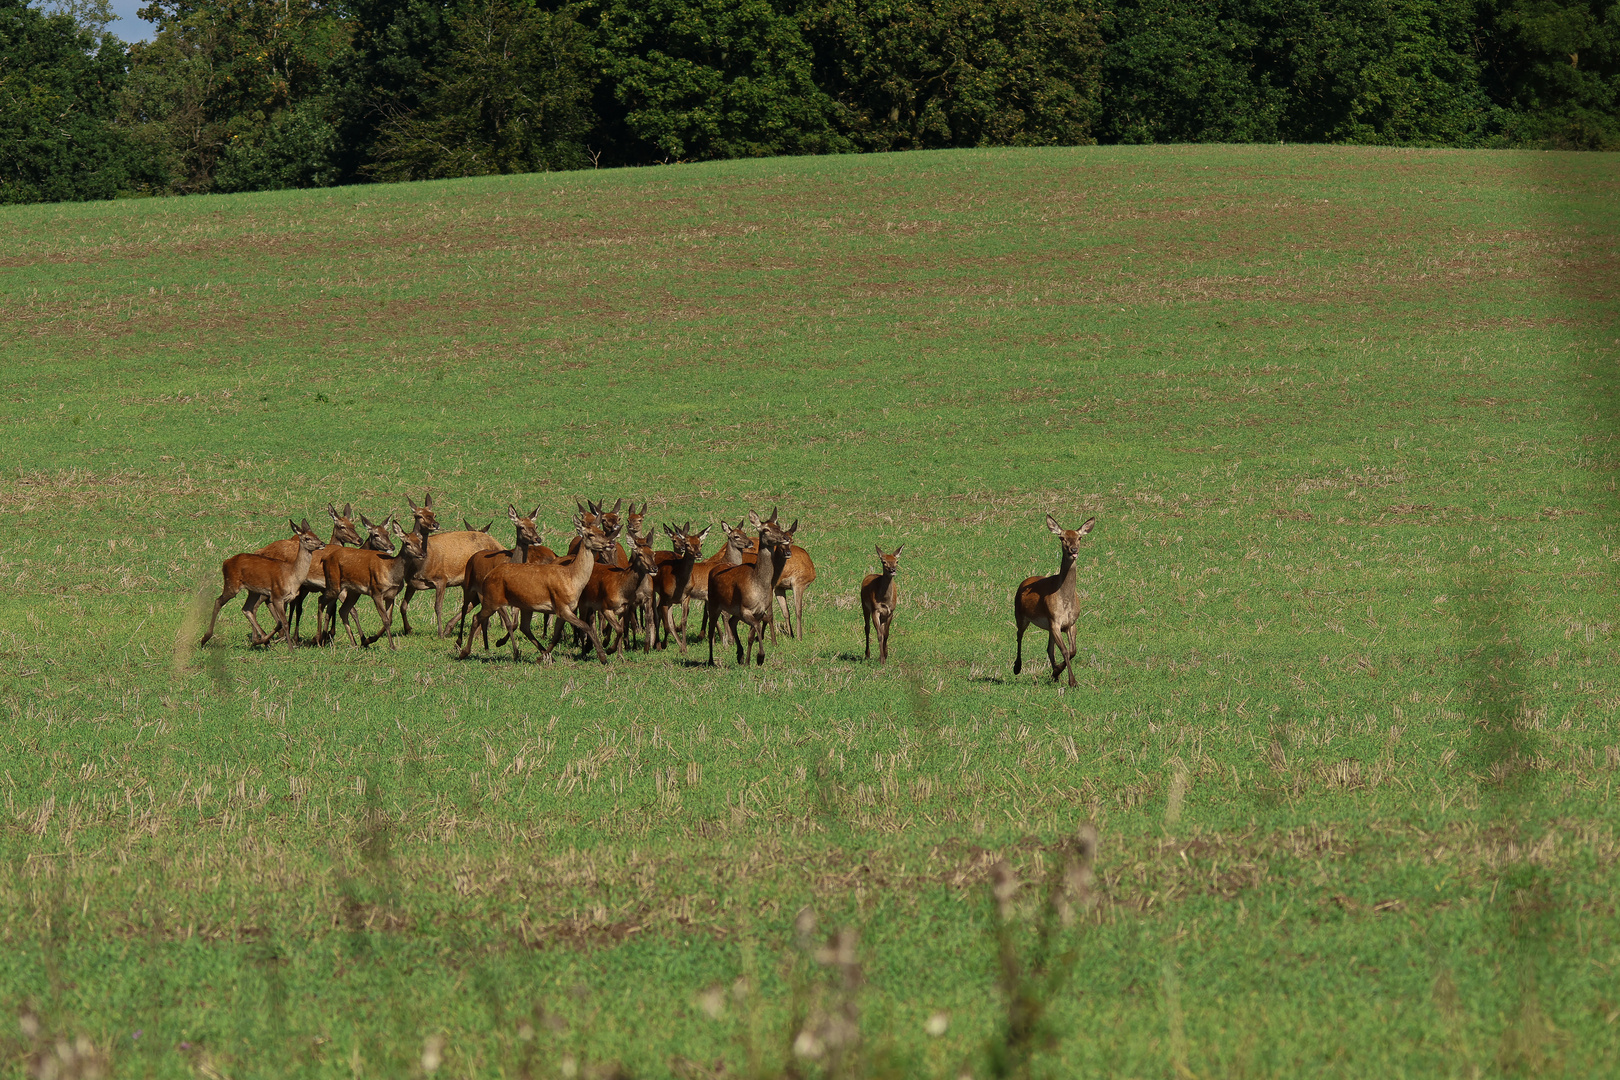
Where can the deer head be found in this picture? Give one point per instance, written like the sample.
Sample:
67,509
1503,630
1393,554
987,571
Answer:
377,535
343,530
1069,537
528,529
890,563
426,520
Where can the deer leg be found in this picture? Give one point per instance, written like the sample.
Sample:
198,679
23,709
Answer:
564,615
344,616
1073,648
438,609
621,626
708,632
386,613
1054,640
798,613
480,619
259,637
461,620
866,622
1018,661
224,598
883,639
526,626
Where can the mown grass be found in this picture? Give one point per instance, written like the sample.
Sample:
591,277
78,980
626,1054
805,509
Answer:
1347,721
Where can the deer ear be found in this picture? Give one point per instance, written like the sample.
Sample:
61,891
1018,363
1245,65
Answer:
536,515
794,527
511,513
348,510
754,522
879,548
1053,526
898,550
1082,530
364,522
617,504
427,500
412,502
330,509
705,532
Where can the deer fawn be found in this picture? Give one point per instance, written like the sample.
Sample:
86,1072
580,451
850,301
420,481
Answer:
479,565
547,588
748,592
266,579
878,596
1051,604
446,560
343,533
378,538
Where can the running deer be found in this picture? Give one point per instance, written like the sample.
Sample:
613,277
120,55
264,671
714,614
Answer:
446,561
343,533
479,565
378,576
546,588
878,597
748,592
611,593
673,581
378,538
266,579
1051,604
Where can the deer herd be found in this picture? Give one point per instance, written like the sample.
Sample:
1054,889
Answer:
603,592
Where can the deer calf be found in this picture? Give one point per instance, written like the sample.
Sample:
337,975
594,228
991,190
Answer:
878,597
1051,603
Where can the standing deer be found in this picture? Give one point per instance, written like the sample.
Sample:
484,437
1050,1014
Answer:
878,597
748,592
479,565
698,584
378,576
378,538
607,521
1051,604
547,588
343,533
266,579
446,561
673,580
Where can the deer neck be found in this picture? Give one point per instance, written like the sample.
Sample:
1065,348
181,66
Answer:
768,566
520,549
300,566
1066,575
580,571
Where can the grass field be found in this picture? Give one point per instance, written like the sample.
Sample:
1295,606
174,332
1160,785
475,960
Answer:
1347,715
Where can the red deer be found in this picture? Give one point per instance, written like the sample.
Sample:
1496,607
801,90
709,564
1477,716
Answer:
446,560
878,597
605,520
1051,604
266,579
479,566
377,539
378,576
748,592
547,588
343,533
673,580
611,592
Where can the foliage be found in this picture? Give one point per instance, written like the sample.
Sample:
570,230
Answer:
699,79
58,83
228,92
514,97
1556,68
940,73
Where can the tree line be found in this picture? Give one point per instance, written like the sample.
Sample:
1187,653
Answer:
251,95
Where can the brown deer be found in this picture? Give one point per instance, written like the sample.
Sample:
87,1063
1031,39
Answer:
379,576
266,579
611,593
1051,604
878,597
673,581
446,561
547,588
608,522
698,585
378,538
748,592
343,533
796,577
479,565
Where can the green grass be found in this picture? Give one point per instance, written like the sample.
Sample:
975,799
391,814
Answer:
1347,714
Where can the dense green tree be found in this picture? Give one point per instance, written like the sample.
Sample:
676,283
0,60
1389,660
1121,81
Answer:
696,79
233,94
514,96
1555,67
58,96
936,73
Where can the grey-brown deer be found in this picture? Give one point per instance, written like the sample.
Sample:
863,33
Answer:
879,595
747,593
267,580
446,560
1052,604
